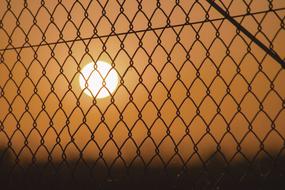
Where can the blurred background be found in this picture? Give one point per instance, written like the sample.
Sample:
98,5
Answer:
192,88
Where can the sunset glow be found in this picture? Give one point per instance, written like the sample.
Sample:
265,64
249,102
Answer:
98,80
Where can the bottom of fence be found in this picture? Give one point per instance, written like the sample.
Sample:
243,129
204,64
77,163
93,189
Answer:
214,174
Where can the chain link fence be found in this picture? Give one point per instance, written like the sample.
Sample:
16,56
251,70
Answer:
199,98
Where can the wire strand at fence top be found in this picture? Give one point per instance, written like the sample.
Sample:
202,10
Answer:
133,32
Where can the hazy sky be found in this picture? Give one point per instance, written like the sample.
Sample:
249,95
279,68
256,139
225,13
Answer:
162,99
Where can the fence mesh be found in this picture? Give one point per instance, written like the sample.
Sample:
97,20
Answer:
197,103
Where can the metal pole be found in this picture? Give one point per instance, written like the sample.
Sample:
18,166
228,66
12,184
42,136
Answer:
270,52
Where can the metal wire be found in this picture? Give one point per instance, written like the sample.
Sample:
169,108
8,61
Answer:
248,34
198,103
140,31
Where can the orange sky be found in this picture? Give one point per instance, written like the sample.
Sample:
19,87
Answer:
158,77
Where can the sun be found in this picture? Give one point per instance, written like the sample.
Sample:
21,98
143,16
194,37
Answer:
98,80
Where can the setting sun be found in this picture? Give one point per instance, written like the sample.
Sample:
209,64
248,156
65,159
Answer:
98,80
133,94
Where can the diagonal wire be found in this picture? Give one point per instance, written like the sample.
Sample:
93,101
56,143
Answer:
152,29
270,52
